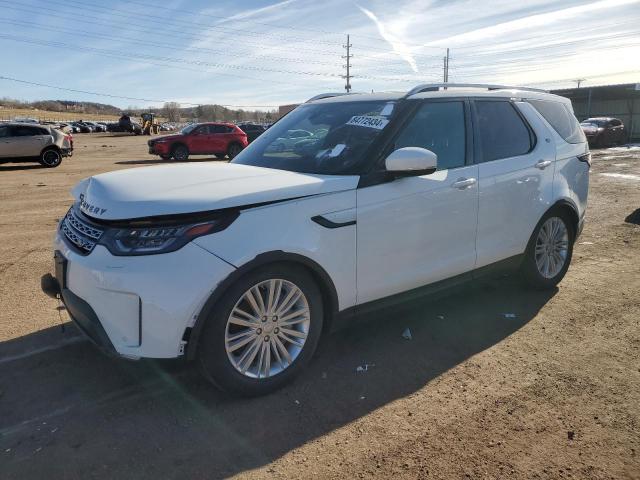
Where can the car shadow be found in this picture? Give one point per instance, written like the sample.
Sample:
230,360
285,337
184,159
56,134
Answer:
14,167
111,418
154,161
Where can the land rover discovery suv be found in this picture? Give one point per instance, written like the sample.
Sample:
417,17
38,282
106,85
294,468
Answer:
243,265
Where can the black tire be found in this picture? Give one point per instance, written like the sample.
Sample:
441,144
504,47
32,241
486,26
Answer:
233,150
50,158
165,157
180,153
212,358
529,268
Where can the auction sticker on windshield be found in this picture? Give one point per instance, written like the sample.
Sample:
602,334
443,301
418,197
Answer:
368,121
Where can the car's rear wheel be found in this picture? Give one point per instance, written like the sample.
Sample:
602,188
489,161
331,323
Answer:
549,251
50,158
263,331
180,153
233,150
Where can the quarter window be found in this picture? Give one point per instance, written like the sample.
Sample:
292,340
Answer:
503,133
561,119
439,127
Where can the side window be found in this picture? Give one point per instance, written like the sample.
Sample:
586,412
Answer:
23,131
561,119
616,123
503,133
439,127
218,129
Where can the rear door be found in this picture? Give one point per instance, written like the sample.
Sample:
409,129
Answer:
515,174
219,138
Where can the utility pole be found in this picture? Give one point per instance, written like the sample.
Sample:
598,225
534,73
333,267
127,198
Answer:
579,81
445,68
348,56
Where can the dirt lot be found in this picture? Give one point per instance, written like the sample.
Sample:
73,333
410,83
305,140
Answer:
551,393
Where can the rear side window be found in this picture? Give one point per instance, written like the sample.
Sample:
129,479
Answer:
503,133
561,119
439,127
22,131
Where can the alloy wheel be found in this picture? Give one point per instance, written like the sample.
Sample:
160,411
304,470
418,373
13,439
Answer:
267,328
552,247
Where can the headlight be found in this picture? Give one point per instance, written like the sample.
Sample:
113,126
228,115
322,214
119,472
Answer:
154,239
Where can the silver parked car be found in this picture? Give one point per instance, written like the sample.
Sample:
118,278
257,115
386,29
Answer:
39,143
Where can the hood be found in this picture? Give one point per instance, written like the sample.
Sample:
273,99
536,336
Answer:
589,128
174,136
176,189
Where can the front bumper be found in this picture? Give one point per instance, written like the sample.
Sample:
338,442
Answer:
159,148
137,306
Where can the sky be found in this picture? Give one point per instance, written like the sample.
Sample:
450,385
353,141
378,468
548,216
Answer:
258,54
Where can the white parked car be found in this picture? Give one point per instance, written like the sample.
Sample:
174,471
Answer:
26,142
243,265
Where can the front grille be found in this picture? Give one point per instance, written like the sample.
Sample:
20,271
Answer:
79,232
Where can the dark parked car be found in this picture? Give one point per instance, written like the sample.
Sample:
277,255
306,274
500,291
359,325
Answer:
252,130
82,127
604,131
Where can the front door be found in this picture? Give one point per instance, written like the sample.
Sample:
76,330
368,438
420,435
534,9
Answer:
414,231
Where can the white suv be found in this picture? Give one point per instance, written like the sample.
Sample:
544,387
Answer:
243,265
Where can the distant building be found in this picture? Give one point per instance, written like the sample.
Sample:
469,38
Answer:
619,101
284,109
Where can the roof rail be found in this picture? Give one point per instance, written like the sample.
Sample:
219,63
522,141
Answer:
434,87
327,95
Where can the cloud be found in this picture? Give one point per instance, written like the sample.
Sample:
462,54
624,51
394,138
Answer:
251,13
398,46
538,20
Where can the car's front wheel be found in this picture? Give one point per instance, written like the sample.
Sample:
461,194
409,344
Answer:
50,158
549,251
263,331
180,153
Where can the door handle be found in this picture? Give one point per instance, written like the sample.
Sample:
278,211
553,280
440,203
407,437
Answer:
463,183
542,164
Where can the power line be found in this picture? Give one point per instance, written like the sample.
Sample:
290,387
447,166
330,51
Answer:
164,33
163,21
137,99
168,46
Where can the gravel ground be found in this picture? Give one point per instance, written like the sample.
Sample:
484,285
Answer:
550,392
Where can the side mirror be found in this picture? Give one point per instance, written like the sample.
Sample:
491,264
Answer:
411,161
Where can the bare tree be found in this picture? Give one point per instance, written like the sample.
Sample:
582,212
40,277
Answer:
171,111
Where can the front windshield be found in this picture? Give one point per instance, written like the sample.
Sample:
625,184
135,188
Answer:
188,129
323,138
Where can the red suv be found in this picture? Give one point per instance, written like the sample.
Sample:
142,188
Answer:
217,139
